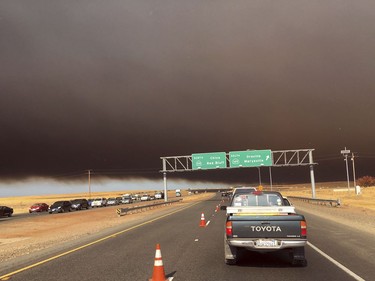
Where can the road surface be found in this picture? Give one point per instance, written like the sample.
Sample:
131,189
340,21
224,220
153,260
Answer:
190,252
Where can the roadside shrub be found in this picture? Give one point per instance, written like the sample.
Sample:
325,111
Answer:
366,181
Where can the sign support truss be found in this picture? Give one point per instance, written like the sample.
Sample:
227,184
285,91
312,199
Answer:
281,158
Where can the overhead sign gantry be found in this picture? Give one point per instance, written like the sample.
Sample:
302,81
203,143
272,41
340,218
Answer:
239,159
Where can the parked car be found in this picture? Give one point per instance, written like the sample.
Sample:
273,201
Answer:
159,195
38,207
60,207
79,204
99,202
127,200
113,201
145,197
6,211
90,202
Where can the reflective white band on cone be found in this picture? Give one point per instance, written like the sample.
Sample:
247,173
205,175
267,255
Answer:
158,263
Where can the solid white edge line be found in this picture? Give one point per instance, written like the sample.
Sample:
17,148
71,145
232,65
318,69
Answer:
347,270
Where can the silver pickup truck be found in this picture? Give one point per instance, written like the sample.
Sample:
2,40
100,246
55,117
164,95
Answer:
263,222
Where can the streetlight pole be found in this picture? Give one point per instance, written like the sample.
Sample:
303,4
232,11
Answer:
345,153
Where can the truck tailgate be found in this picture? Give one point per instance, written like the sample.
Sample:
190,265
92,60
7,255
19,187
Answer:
285,226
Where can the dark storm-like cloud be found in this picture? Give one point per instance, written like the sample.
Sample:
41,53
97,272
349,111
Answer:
117,84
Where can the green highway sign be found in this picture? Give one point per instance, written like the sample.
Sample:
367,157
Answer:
212,160
250,158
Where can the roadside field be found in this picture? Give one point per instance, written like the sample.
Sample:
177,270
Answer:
39,232
325,190
333,190
21,204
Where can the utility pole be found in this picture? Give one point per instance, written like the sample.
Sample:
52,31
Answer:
89,173
345,153
355,184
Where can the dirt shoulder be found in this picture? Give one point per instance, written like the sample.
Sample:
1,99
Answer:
359,218
36,232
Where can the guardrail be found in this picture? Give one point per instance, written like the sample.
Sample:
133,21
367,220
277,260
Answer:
330,202
123,211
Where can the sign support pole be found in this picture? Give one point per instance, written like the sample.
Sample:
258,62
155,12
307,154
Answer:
270,177
312,174
165,187
165,181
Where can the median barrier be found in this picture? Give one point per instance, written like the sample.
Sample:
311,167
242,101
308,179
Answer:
135,209
328,202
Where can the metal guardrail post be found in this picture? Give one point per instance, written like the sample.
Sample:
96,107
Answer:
331,202
123,211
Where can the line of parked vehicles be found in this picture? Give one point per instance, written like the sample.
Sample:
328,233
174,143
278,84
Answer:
81,204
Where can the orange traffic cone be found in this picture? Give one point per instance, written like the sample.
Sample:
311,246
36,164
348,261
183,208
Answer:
158,274
217,209
203,221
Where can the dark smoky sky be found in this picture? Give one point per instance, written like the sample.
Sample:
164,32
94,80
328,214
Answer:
113,85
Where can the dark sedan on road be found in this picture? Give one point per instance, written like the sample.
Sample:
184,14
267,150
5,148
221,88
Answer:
127,200
6,211
38,207
60,207
113,201
79,204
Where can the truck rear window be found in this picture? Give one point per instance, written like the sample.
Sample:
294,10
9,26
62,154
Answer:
252,199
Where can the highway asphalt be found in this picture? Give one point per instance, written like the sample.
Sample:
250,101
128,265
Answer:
190,252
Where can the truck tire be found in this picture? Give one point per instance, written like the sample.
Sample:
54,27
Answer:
230,253
298,257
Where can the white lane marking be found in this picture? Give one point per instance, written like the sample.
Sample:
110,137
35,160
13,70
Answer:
208,222
347,270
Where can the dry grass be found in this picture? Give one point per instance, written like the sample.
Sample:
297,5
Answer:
21,204
334,190
330,190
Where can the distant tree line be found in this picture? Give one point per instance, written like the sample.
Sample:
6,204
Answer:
366,181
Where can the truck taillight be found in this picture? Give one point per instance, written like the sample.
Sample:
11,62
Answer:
229,228
303,228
